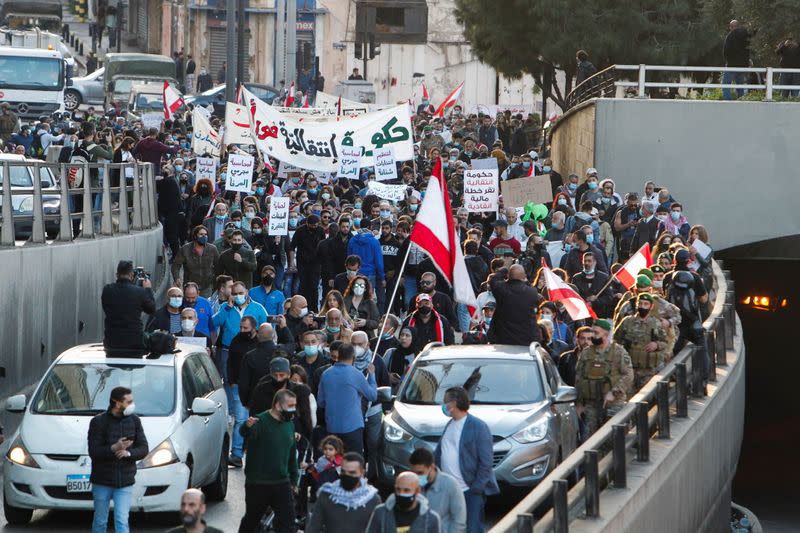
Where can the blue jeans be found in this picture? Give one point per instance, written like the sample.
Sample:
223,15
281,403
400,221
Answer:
122,506
739,78
239,413
291,284
409,290
462,312
475,504
222,363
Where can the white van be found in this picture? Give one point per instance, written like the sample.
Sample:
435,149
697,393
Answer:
184,413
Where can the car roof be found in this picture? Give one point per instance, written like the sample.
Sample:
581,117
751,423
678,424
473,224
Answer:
12,157
478,351
29,52
95,353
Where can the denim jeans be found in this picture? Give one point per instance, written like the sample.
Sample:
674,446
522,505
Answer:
462,312
372,429
122,506
475,506
239,413
739,78
409,290
291,284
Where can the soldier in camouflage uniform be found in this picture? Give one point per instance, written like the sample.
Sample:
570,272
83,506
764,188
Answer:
667,313
430,140
644,339
603,377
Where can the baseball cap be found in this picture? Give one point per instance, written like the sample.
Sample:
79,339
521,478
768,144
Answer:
591,171
489,305
423,296
279,364
682,256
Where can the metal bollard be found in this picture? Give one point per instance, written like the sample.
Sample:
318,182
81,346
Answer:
72,40
642,433
619,457
80,49
662,398
37,226
7,232
729,312
560,510
592,483
697,373
65,226
681,402
87,230
525,523
721,348
711,350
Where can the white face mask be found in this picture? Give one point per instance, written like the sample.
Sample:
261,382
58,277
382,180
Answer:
658,283
303,312
187,325
129,410
359,351
359,291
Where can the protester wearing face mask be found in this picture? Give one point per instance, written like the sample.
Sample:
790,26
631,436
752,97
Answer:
271,472
345,505
360,305
405,510
675,223
430,325
189,324
215,224
118,431
298,318
168,318
312,354
196,262
607,362
644,339
646,229
242,343
228,318
590,184
267,294
442,491
237,261
589,283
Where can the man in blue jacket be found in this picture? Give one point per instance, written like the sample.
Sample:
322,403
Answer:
465,452
368,248
229,318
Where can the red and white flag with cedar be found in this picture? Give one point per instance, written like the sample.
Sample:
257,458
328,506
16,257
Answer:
450,101
559,291
172,101
289,96
435,234
305,100
641,259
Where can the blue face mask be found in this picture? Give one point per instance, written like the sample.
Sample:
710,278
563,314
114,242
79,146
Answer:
219,217
413,207
592,185
588,271
445,411
311,351
567,247
315,212
572,186
385,213
358,205
676,216
175,301
547,169
260,191
223,176
314,190
239,299
333,329
292,222
423,481
237,223
202,240
526,165
488,320
356,222
445,164
178,168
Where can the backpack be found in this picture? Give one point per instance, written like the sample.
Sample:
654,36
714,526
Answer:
682,294
78,157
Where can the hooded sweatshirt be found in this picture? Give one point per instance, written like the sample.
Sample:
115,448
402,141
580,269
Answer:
368,248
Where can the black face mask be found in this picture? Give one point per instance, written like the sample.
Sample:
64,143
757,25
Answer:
643,311
349,482
404,502
597,341
236,247
287,416
279,384
268,280
424,311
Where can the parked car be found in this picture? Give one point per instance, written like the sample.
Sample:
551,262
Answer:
22,178
144,98
216,97
183,408
516,390
87,89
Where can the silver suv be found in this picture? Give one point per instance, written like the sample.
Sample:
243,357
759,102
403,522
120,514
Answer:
516,390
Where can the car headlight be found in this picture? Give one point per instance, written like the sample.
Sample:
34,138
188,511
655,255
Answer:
161,455
535,432
18,454
393,432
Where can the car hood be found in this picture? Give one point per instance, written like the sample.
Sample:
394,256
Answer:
503,420
68,434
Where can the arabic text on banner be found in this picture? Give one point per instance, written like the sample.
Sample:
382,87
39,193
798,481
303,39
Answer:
315,145
152,120
385,165
237,124
349,162
206,168
204,139
395,193
481,190
278,216
240,173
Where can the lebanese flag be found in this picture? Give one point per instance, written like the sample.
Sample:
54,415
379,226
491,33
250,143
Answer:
641,259
425,94
559,291
435,234
289,96
531,170
305,100
172,101
450,101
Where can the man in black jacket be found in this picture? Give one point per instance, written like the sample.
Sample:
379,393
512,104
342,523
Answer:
242,343
170,207
590,282
646,229
514,320
333,252
307,263
255,364
476,266
736,53
278,378
116,442
123,304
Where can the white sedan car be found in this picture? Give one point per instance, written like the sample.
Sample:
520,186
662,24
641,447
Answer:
183,408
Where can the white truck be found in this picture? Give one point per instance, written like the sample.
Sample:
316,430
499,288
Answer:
32,81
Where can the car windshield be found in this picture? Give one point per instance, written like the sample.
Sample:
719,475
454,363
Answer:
149,101
34,73
20,177
84,389
487,381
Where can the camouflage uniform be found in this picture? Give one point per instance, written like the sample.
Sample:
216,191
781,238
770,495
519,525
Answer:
634,333
612,367
428,143
664,309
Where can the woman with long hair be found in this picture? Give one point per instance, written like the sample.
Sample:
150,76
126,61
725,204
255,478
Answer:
360,305
335,300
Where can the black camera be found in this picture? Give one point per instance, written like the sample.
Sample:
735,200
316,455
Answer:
140,274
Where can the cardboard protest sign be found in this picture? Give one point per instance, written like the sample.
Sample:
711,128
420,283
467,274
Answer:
385,165
240,173
206,168
278,216
394,193
481,190
520,191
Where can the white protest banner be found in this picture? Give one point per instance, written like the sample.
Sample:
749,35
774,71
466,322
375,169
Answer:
204,139
556,251
702,249
194,341
481,190
237,125
488,163
240,173
152,120
278,216
385,166
349,161
206,168
285,168
493,109
394,193
315,145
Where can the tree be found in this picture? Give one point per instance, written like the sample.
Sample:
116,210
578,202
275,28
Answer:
538,37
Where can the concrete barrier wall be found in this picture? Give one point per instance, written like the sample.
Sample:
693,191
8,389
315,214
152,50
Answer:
51,298
573,141
733,165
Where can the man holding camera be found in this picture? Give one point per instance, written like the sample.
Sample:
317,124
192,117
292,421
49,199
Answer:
123,303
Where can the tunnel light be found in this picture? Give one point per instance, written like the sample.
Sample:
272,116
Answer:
765,303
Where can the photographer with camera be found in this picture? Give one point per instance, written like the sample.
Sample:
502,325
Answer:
124,301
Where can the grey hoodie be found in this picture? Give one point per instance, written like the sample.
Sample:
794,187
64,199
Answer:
382,519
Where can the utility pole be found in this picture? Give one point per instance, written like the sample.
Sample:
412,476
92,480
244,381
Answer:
241,45
230,64
280,44
291,41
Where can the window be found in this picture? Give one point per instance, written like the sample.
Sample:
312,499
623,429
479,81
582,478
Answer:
396,21
20,177
389,19
208,364
31,73
202,383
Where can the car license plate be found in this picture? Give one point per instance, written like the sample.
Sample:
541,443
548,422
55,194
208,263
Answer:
78,483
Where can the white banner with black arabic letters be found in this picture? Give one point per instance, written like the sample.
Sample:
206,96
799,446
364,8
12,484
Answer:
349,162
315,145
394,193
204,139
385,165
206,168
278,216
481,190
240,173
237,124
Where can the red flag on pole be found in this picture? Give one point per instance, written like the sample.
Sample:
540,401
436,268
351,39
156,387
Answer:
425,92
172,101
289,96
559,291
641,259
450,101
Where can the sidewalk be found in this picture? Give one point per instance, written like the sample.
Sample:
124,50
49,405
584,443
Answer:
81,32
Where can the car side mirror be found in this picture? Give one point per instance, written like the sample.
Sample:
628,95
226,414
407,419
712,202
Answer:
385,394
221,95
16,404
203,407
565,394
110,87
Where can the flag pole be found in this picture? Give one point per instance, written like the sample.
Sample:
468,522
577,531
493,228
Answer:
394,295
607,285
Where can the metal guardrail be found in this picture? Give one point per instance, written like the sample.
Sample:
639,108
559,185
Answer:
128,207
575,486
605,82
